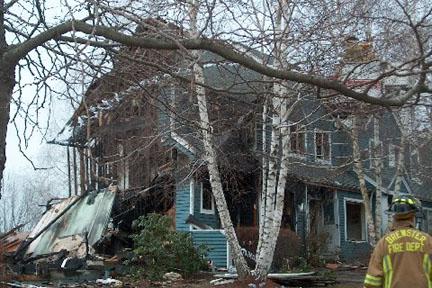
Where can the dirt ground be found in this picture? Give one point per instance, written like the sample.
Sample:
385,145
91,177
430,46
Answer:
345,279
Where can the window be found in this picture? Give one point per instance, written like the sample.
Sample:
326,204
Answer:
207,201
322,146
355,221
427,221
297,140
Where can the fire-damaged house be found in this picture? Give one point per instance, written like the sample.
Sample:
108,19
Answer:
134,147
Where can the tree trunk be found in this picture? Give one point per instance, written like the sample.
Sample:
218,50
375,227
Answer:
280,171
215,179
211,156
359,170
400,164
7,83
264,170
377,163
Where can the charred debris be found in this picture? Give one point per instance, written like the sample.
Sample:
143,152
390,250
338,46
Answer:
80,237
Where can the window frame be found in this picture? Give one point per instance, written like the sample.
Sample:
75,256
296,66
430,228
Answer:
202,209
363,220
319,160
297,133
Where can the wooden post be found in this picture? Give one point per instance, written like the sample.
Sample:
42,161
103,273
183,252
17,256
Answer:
69,172
75,170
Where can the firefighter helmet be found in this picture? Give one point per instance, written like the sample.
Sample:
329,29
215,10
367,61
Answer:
405,204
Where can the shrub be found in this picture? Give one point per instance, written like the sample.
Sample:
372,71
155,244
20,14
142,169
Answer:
159,249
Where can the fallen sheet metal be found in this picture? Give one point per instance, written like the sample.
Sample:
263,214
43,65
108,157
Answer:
73,225
10,241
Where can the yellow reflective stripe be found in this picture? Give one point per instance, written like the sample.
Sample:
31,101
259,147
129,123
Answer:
374,278
373,281
427,269
388,271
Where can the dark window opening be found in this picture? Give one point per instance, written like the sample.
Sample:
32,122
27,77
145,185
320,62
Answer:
355,221
207,197
297,140
322,146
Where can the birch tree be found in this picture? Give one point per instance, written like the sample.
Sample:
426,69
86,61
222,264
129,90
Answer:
210,152
359,170
377,155
30,38
301,37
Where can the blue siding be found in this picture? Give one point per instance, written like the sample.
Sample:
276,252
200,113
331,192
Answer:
350,250
209,219
182,205
216,244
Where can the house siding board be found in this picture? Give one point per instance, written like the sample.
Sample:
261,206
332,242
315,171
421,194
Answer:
182,206
350,250
216,244
208,219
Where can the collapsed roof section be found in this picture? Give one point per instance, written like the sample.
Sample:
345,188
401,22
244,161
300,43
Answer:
75,224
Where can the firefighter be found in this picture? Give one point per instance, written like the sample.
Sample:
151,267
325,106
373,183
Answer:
402,258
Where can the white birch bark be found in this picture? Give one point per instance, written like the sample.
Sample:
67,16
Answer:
278,167
264,176
377,164
400,165
211,157
402,124
271,233
359,170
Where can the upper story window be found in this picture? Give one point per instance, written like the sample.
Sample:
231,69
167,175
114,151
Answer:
297,140
322,146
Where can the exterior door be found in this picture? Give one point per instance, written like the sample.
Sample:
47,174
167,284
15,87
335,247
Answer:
330,221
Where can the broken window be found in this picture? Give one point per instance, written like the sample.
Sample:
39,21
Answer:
207,201
322,146
355,224
297,140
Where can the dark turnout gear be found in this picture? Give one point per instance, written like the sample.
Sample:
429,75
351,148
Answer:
401,259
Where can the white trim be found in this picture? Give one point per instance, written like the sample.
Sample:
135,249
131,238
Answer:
191,196
202,210
406,185
183,142
364,232
228,254
337,217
